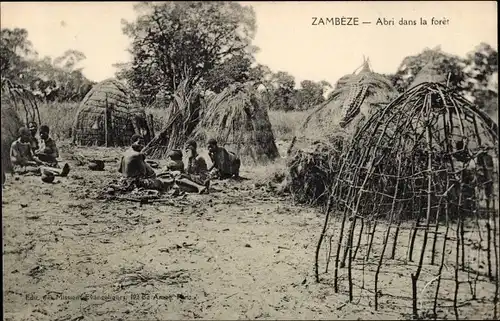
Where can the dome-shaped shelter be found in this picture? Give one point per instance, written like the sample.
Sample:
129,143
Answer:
314,151
238,122
429,158
353,99
109,115
16,100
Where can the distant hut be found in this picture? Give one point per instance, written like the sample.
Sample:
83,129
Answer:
238,122
109,115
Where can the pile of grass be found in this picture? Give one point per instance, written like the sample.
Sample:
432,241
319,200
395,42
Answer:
239,123
310,172
181,118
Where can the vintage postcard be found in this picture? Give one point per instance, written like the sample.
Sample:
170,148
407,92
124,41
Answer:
250,160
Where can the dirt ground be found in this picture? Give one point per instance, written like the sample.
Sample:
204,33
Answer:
239,253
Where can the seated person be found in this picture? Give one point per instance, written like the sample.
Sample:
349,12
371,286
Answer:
48,151
175,161
196,168
33,128
133,162
136,170
23,160
225,164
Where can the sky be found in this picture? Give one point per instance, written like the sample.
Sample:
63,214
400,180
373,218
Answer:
286,36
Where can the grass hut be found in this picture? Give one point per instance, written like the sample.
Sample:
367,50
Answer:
239,123
314,151
182,117
109,115
15,101
427,163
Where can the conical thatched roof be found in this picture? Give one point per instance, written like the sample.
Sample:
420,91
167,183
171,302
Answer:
125,116
238,122
353,99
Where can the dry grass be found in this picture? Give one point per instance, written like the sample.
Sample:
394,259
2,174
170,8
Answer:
59,117
285,123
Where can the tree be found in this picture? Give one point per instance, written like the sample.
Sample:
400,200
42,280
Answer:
311,93
482,71
173,41
15,50
236,69
451,66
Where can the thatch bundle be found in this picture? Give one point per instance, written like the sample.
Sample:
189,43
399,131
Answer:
14,100
429,156
182,117
109,115
238,122
331,125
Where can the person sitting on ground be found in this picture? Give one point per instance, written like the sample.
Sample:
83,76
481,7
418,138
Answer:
225,164
186,182
24,162
33,128
133,162
196,168
136,170
48,151
175,162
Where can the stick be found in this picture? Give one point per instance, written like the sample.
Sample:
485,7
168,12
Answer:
359,238
393,252
457,284
349,244
372,236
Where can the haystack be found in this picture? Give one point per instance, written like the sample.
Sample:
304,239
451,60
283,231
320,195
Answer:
182,118
430,157
330,125
239,123
109,115
15,101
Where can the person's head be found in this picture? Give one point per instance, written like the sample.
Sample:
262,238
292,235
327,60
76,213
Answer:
137,142
175,155
212,145
191,148
24,134
33,127
44,132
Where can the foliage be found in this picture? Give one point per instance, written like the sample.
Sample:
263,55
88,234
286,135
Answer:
451,65
58,80
173,41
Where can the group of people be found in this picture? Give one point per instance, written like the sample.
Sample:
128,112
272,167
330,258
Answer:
30,155
39,156
195,176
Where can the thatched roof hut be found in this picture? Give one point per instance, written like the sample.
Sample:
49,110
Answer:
182,117
109,115
11,122
349,104
239,123
314,151
15,101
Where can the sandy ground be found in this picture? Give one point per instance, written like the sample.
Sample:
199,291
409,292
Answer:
238,253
